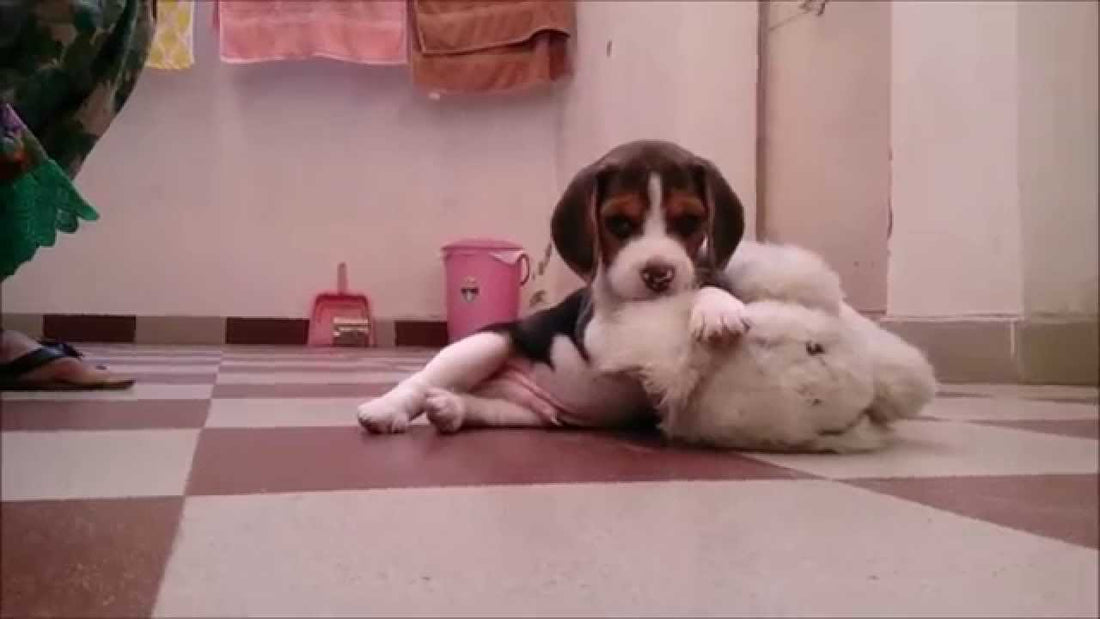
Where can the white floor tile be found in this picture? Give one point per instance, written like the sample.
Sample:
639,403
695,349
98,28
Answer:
148,348
157,354
135,368
1005,408
292,364
66,465
285,412
1022,391
146,360
948,448
770,548
311,378
305,356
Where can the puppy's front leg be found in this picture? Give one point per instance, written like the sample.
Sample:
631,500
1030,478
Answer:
458,367
716,316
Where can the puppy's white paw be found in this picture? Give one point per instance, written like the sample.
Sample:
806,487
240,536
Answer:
390,413
445,410
717,316
380,417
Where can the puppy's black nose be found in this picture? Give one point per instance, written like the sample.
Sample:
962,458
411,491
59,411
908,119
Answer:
658,276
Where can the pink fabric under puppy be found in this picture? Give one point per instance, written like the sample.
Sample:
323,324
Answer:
362,31
516,383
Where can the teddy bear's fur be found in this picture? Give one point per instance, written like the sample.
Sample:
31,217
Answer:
810,374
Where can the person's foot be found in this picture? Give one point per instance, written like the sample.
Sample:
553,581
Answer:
28,364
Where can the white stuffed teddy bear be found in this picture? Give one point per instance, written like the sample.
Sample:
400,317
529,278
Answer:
809,374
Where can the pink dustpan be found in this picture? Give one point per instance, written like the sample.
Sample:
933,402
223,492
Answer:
341,318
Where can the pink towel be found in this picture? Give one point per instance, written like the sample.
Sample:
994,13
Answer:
363,31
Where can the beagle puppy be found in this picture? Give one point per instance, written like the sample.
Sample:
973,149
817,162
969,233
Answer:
647,220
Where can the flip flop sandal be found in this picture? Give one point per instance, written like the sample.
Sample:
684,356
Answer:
69,376
66,349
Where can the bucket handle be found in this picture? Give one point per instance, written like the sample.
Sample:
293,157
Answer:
525,269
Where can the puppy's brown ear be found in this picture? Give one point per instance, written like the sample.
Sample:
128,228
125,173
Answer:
727,216
573,226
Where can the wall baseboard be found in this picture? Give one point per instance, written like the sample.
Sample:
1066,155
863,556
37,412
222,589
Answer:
207,330
1064,351
1001,350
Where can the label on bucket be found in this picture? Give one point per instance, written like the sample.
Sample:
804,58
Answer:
469,289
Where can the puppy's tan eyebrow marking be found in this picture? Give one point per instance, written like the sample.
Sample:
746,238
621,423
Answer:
683,203
626,205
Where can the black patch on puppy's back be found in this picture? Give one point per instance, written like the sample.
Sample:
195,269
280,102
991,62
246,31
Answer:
533,337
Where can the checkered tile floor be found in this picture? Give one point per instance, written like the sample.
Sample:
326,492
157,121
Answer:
235,482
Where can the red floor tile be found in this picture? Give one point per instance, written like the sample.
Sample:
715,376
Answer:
102,414
1059,506
239,461
92,558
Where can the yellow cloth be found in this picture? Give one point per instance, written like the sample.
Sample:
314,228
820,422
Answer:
173,43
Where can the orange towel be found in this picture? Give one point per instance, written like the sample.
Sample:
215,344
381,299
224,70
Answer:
363,31
489,45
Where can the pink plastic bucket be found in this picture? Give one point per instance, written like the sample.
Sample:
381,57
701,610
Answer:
483,281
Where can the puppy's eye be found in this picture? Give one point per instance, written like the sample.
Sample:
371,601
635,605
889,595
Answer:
619,226
814,349
686,225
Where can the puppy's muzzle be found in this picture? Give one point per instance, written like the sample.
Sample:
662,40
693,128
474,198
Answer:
658,276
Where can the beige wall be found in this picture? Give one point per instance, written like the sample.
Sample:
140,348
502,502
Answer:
994,181
826,139
230,190
235,190
1058,156
684,71
955,248
971,125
